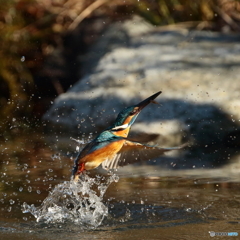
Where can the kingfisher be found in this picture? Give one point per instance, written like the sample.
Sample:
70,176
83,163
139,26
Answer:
112,148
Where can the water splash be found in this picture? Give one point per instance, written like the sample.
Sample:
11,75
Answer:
81,202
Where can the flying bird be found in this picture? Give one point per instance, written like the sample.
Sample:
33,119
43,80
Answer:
112,147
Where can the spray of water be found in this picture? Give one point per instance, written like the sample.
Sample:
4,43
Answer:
81,202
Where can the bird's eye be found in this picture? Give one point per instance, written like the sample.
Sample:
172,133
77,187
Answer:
133,112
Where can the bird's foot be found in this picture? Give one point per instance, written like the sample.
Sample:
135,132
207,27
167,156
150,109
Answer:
81,168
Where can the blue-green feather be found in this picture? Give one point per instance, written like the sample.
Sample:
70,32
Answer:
122,117
103,140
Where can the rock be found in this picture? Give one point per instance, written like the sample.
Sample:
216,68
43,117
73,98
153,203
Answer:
197,71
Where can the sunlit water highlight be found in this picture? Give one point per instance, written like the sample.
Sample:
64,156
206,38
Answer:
80,203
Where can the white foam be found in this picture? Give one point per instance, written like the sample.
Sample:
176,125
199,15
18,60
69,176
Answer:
81,202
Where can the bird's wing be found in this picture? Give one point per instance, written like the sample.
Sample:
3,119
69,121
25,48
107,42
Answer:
133,152
143,137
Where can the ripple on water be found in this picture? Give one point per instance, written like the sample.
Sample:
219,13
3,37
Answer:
81,202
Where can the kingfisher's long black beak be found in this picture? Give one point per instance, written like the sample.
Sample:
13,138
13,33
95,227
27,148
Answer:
145,102
127,117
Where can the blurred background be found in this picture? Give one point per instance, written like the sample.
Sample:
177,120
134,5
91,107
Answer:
43,42
77,63
47,46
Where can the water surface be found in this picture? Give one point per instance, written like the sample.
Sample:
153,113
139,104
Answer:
146,202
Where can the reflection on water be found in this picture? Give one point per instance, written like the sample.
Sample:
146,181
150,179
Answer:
146,203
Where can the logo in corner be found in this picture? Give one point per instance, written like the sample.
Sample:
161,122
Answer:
212,234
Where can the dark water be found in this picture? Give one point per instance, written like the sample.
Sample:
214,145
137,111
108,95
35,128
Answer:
145,203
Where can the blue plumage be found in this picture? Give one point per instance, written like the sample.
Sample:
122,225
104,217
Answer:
111,148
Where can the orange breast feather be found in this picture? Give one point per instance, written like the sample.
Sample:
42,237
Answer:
95,158
124,132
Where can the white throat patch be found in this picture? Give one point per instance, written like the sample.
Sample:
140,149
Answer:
122,127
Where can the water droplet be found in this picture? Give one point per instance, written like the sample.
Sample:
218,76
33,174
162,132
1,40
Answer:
188,209
22,58
11,201
20,189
